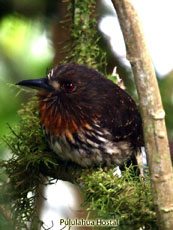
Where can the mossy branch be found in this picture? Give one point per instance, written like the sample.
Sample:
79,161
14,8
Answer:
82,47
127,199
155,134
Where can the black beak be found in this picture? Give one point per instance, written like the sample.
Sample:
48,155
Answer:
38,84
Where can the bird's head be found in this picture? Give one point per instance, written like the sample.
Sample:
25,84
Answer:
70,97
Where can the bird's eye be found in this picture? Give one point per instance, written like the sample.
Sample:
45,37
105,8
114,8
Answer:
68,86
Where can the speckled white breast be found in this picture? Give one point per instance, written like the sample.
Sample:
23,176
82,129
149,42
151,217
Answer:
90,148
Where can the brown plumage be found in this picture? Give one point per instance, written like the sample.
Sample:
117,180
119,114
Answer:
87,118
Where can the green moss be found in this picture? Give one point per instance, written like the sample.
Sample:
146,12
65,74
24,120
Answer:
83,47
127,199
29,153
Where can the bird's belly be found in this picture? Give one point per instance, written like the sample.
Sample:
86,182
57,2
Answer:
87,152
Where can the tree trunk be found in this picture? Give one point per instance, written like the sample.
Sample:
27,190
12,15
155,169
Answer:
155,134
61,31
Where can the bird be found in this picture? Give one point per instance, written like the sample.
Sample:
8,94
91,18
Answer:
86,118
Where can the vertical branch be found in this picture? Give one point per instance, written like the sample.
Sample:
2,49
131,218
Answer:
61,30
152,112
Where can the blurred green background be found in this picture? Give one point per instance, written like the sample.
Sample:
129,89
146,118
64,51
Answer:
28,48
29,35
25,52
